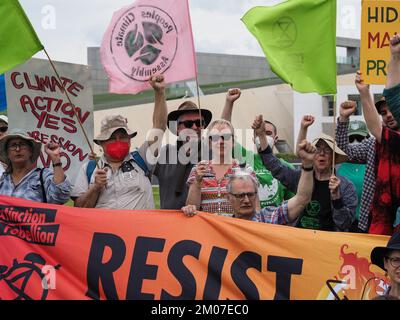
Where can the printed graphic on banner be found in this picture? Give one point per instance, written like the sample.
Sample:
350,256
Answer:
147,38
355,280
38,105
379,22
3,99
27,280
33,225
165,255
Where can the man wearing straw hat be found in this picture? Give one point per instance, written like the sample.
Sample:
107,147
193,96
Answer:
122,179
334,199
176,160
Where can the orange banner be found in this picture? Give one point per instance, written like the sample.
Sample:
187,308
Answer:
59,252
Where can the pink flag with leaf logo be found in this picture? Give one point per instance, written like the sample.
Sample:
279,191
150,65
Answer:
146,38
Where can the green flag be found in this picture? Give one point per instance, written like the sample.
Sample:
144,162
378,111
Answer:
298,38
18,39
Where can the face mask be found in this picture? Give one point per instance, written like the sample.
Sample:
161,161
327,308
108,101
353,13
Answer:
270,140
117,150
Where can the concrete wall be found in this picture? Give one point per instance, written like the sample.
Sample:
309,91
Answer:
274,102
216,68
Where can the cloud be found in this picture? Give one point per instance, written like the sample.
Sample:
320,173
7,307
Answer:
216,24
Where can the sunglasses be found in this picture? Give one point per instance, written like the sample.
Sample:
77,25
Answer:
189,123
355,138
3,129
224,137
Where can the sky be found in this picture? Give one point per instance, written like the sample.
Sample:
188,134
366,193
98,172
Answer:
67,28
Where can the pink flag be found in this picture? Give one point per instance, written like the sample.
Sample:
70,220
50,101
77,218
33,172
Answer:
147,38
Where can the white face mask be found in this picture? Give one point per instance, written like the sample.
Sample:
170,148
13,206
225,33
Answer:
271,142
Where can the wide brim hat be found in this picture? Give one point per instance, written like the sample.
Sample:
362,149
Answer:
379,253
187,107
340,156
109,125
16,133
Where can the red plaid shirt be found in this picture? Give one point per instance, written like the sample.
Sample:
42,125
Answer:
213,191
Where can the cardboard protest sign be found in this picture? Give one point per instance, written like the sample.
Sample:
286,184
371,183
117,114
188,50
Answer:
379,22
36,103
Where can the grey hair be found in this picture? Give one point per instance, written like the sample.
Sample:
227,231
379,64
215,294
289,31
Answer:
243,176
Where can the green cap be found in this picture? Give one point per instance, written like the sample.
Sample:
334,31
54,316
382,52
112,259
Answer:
358,128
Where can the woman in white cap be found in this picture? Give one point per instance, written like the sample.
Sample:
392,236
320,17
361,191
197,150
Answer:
23,179
388,259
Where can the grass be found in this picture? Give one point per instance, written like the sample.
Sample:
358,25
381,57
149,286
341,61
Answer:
156,194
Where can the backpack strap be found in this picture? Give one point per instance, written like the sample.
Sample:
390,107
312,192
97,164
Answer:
89,170
137,158
42,185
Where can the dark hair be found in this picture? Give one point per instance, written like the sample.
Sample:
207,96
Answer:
274,126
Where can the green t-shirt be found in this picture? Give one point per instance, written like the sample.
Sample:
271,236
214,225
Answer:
355,172
271,192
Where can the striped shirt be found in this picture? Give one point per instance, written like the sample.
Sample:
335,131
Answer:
213,190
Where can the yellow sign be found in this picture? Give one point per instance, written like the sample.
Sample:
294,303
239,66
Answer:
379,22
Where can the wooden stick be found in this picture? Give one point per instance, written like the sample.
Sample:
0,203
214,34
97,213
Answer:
73,106
334,134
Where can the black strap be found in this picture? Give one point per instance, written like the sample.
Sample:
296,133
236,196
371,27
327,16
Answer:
42,185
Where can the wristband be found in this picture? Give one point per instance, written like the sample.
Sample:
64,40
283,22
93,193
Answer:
307,169
58,164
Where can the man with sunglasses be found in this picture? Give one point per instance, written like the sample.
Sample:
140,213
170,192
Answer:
177,160
242,195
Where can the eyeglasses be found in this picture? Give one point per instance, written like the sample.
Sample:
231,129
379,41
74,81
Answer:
21,146
395,262
356,138
189,123
323,150
3,129
241,196
224,137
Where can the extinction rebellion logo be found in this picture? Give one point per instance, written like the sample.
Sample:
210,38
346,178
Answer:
33,225
141,35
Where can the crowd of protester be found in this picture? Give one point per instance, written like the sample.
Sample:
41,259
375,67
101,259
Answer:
350,183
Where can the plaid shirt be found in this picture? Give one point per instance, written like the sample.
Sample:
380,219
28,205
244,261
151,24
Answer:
361,153
273,215
30,188
213,191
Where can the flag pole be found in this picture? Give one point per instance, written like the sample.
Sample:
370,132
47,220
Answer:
73,106
198,98
334,134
